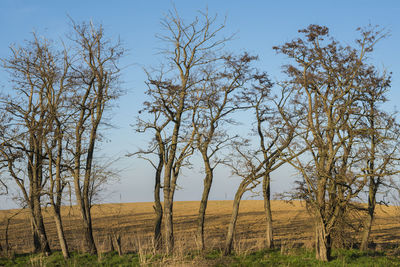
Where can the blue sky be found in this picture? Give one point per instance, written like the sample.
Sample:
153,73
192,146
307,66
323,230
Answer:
258,25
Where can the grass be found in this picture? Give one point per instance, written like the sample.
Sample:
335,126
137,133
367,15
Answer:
301,257
77,259
295,257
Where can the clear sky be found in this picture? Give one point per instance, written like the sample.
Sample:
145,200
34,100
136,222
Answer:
258,25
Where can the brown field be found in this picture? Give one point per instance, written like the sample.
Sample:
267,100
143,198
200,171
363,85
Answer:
134,222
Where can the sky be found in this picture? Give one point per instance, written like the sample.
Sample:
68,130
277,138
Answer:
258,26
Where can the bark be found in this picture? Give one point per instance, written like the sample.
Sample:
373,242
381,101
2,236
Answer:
35,237
157,224
373,185
170,176
323,243
203,203
370,217
159,215
269,240
168,223
88,234
86,184
35,185
39,226
232,223
56,190
366,233
157,200
86,224
60,232
82,197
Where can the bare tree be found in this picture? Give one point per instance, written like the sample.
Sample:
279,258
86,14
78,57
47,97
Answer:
326,78
41,78
275,128
250,170
59,85
158,146
275,131
53,121
221,89
96,73
33,74
173,92
380,142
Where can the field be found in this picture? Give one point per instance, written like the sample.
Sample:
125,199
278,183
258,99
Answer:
293,227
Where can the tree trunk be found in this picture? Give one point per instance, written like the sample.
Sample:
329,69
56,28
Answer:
232,223
87,228
86,194
366,232
157,225
60,232
373,184
203,205
84,208
269,240
88,235
168,223
39,226
157,200
322,243
373,187
35,237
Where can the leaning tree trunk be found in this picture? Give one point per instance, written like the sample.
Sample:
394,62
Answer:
269,240
88,228
323,243
203,203
60,232
82,196
235,212
370,217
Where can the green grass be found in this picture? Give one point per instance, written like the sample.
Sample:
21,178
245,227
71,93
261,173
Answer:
77,259
295,257
301,257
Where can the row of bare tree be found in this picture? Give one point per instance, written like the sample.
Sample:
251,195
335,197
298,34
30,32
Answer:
326,119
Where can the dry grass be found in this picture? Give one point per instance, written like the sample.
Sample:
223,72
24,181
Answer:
134,223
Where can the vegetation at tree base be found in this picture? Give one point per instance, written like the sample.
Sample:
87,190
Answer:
297,257
326,119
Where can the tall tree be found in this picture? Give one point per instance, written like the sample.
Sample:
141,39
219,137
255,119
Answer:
159,147
96,75
59,82
274,129
326,78
174,96
380,148
33,74
221,89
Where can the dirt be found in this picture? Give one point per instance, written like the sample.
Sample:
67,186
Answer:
293,225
